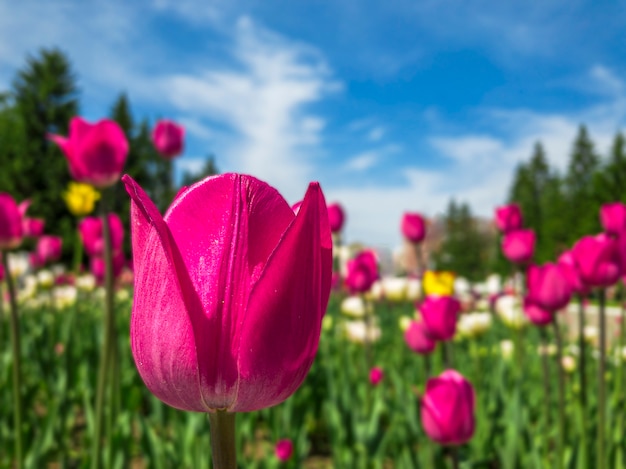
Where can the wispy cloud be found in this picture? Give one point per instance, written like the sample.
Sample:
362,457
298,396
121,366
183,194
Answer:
263,99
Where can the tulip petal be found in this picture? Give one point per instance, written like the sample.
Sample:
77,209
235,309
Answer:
162,332
287,303
225,245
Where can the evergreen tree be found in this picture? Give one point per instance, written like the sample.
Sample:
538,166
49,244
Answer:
610,183
209,169
465,248
45,98
583,202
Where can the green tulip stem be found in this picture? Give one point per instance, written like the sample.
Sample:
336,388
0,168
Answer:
78,252
107,343
546,385
582,375
601,463
561,422
222,425
17,363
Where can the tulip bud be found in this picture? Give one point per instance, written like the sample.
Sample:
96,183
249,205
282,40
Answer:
168,138
362,272
413,227
92,234
448,408
11,230
509,218
438,283
506,349
376,375
96,153
336,217
440,314
417,338
613,218
80,198
548,286
519,246
598,260
284,450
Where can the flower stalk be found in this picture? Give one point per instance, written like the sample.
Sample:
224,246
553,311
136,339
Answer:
108,342
561,421
17,363
222,426
601,450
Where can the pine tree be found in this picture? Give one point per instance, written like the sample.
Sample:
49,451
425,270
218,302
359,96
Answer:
610,183
45,99
465,248
209,169
583,202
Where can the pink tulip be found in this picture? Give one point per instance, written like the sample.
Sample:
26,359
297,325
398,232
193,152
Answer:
418,339
548,286
613,218
376,375
230,290
48,249
519,246
571,271
90,230
509,218
440,314
413,227
96,153
536,314
11,230
598,260
1,277
296,207
31,227
448,408
284,450
362,272
98,267
336,217
168,138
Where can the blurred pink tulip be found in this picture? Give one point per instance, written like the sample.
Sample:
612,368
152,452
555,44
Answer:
613,218
336,217
168,138
448,408
96,153
230,290
572,274
31,227
509,218
48,249
536,314
598,260
376,375
440,314
98,267
362,272
284,450
519,246
90,229
417,338
11,229
413,227
548,286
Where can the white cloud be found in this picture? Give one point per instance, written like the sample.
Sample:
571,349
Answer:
263,100
376,134
362,161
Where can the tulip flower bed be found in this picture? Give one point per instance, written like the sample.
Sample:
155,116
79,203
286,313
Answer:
336,419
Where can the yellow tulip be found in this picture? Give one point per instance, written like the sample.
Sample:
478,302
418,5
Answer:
80,198
438,283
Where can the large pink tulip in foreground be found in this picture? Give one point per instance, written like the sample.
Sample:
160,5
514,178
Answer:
230,290
448,408
96,153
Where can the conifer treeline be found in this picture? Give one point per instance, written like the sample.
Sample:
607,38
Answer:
560,206
43,97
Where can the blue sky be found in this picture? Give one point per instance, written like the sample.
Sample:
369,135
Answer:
392,106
